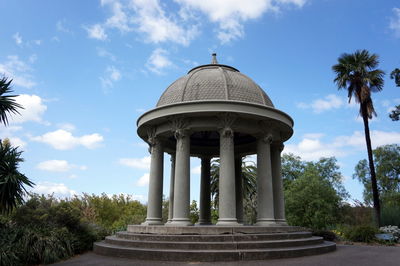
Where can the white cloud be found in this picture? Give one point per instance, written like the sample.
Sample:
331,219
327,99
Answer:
37,42
8,132
58,189
104,53
139,163
158,61
395,22
33,109
111,75
311,147
67,126
32,59
143,180
18,71
54,166
60,26
64,140
231,14
96,31
331,101
196,170
378,138
59,166
17,38
119,18
149,17
17,142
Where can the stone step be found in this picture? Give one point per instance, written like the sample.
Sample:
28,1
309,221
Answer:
210,245
213,238
211,229
108,249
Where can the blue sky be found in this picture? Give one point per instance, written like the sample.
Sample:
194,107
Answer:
85,71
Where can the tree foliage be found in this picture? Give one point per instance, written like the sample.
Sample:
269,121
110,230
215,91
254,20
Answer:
8,105
395,114
314,192
12,182
387,164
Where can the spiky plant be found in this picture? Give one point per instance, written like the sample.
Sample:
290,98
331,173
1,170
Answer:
8,105
12,182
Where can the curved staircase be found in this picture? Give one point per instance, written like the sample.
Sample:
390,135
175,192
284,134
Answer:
212,243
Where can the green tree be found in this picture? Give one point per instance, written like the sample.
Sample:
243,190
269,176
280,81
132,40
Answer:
12,182
358,74
8,105
396,76
314,193
395,114
311,201
387,165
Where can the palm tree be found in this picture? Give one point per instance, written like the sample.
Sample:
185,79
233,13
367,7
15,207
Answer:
357,74
396,76
8,105
395,115
11,180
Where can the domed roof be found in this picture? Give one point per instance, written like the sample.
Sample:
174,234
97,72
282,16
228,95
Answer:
214,82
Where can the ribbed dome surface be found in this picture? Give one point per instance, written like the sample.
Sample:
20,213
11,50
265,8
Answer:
214,82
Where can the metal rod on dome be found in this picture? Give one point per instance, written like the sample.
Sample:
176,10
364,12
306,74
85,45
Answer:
214,59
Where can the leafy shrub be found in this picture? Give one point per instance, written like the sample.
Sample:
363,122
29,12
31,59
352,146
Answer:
34,245
362,233
326,234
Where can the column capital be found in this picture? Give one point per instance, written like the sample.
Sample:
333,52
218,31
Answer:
266,138
226,132
153,140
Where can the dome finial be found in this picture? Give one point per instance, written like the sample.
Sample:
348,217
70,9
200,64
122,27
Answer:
214,59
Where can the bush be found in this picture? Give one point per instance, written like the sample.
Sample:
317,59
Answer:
34,245
325,234
362,233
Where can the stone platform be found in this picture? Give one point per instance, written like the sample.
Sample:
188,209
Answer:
212,243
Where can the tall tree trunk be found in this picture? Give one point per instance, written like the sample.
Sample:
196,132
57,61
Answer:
375,192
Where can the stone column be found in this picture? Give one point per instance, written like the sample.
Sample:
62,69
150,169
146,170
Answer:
154,203
279,203
205,192
182,179
239,189
265,196
171,189
227,193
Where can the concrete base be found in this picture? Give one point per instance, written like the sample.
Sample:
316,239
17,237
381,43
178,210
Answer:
266,222
152,221
212,243
179,222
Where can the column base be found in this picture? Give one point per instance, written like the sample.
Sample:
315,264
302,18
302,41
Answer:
281,222
152,221
203,222
266,222
179,222
228,222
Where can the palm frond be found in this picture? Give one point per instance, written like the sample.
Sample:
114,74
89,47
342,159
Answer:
8,104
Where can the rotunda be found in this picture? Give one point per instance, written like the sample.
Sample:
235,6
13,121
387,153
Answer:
215,111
